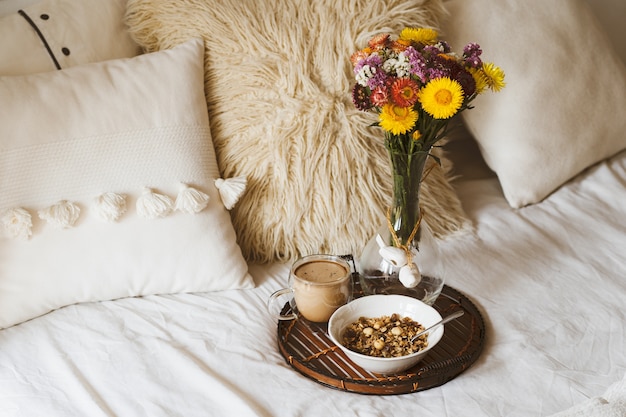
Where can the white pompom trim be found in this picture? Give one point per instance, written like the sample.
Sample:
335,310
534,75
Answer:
17,222
191,200
61,215
151,205
110,206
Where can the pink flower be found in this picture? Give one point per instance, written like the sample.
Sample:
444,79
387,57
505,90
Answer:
379,96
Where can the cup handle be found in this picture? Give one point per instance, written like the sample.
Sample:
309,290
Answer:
271,305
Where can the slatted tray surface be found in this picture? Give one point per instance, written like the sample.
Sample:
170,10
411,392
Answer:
308,349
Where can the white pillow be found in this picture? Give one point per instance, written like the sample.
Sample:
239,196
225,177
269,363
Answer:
116,126
54,34
562,109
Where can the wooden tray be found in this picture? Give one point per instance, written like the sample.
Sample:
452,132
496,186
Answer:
308,349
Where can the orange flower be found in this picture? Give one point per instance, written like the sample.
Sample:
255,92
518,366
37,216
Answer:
399,45
404,92
359,55
379,41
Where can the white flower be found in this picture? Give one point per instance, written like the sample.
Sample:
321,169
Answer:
364,74
403,66
18,223
399,65
389,65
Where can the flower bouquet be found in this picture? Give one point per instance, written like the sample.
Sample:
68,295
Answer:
416,84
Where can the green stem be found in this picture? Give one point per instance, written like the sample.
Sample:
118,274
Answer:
407,170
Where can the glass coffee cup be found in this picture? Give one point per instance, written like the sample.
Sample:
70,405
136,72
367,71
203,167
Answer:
318,285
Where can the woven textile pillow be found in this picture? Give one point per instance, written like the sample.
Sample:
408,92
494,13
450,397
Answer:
55,34
107,178
562,109
279,86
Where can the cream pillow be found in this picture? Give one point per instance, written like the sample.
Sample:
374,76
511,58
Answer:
562,109
279,86
55,34
610,14
68,139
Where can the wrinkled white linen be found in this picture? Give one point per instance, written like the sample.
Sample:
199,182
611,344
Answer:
611,404
549,279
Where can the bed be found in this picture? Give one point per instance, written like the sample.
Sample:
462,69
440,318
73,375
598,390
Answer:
548,276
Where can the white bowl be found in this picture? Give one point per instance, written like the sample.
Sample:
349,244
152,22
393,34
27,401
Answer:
385,305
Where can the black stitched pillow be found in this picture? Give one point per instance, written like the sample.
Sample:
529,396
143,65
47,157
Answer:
56,34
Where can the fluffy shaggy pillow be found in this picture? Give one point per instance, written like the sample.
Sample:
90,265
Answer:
55,34
562,109
279,86
70,138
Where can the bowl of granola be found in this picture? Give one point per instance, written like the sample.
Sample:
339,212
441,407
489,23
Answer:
375,332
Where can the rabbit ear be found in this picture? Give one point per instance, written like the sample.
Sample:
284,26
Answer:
151,205
110,206
190,200
61,215
395,256
231,190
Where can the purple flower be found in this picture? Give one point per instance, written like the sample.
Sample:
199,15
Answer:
472,53
373,61
431,50
433,73
379,79
369,72
417,63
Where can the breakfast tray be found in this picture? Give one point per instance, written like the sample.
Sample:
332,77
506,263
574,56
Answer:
308,349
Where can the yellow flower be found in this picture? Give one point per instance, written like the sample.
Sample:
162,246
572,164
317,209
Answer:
416,135
494,76
441,97
420,35
397,120
479,78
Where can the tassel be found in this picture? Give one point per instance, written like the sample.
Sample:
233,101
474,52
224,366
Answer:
110,206
152,205
61,215
18,223
190,200
231,190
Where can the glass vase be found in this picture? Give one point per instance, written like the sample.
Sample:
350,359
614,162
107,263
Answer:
406,230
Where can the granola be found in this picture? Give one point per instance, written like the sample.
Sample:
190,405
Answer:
386,336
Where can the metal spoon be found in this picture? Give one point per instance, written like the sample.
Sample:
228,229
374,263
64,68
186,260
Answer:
446,319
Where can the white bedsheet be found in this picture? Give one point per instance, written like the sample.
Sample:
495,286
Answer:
550,280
